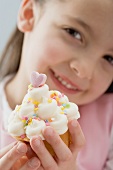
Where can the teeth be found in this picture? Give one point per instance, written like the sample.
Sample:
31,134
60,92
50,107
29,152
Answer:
59,78
64,82
67,85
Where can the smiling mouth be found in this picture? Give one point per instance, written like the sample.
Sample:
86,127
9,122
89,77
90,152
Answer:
63,84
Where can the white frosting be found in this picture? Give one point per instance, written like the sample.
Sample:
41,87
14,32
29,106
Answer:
47,109
39,106
16,126
35,128
11,116
59,123
72,112
38,93
27,109
63,98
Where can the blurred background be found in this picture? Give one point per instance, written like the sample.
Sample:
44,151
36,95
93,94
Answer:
8,17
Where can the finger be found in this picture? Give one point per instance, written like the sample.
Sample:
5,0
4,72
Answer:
61,150
32,164
19,163
40,168
7,148
77,136
30,153
8,160
39,148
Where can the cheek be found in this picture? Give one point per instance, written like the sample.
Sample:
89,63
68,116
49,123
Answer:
102,76
100,85
55,52
49,53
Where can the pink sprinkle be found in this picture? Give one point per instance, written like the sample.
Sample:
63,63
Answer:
38,119
26,118
47,124
23,136
23,118
58,103
62,95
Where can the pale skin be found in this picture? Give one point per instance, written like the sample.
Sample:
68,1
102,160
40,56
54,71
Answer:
57,42
65,157
15,154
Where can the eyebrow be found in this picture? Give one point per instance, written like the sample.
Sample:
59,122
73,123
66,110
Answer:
81,22
111,50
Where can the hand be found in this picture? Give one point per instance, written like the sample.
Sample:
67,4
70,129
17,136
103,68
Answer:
65,157
15,157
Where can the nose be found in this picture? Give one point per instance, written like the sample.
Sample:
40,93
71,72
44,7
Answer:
82,69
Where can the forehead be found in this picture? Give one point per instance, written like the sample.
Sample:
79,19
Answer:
88,10
98,14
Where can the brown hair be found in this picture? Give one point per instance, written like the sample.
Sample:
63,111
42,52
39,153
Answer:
10,59
11,56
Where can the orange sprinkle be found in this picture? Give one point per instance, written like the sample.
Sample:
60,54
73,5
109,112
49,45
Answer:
57,99
30,121
50,120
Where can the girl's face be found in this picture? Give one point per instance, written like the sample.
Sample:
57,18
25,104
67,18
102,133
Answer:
72,43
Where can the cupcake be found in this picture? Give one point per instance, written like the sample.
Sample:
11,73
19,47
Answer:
40,108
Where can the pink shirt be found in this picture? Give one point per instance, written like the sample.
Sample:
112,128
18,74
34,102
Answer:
97,124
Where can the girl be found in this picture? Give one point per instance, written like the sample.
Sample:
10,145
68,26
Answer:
71,41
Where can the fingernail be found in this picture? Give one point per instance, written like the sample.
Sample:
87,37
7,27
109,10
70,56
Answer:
22,148
74,123
34,162
37,142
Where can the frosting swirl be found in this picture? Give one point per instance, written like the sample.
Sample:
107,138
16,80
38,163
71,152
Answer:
35,128
16,126
40,108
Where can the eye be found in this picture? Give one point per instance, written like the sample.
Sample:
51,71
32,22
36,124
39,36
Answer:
109,59
74,33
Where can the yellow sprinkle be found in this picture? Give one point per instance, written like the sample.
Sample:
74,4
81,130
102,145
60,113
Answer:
62,108
49,101
36,109
30,86
61,112
24,121
30,99
30,121
18,108
36,103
